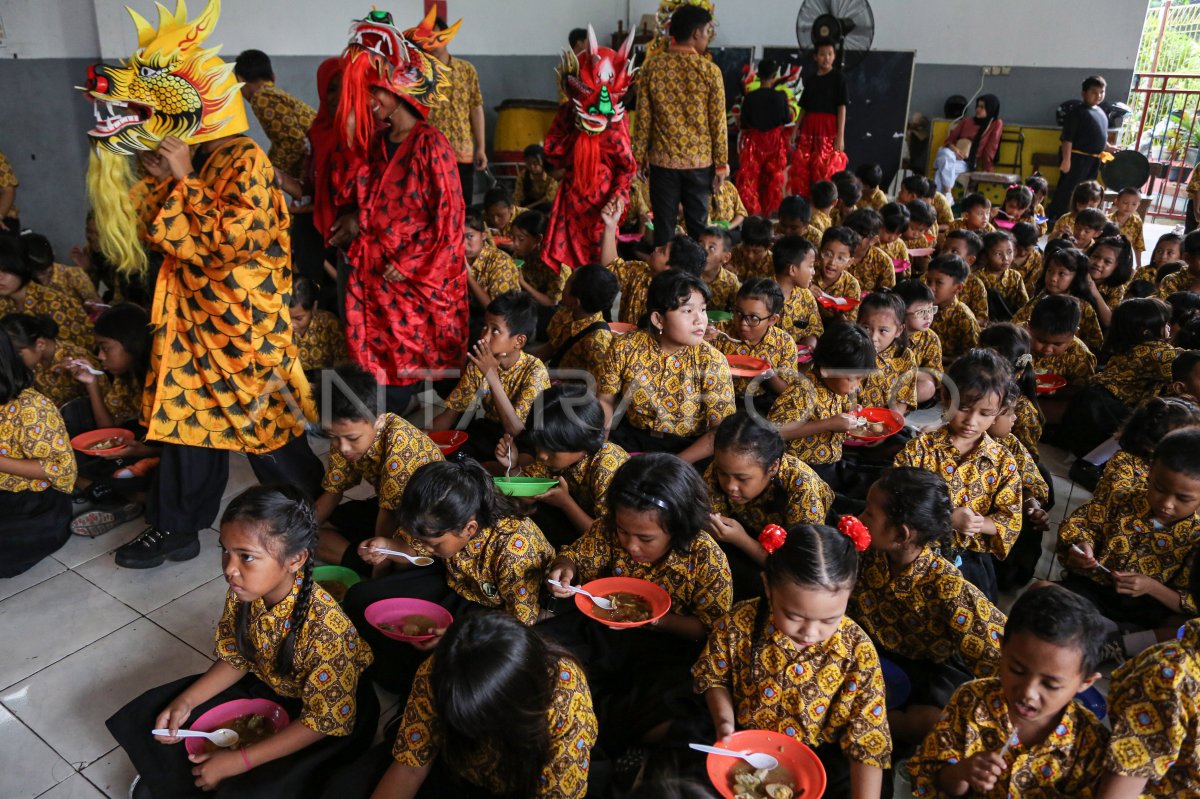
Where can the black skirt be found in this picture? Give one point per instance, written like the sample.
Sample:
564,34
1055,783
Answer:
167,772
33,525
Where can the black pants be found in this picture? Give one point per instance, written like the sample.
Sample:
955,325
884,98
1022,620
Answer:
1091,418
1083,167
669,187
359,779
466,174
33,525
186,493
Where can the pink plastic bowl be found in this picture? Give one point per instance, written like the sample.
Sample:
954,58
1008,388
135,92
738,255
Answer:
395,611
222,715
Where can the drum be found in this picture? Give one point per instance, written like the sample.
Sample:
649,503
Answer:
520,123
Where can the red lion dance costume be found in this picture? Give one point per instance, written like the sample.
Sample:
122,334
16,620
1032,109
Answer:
409,209
590,140
763,154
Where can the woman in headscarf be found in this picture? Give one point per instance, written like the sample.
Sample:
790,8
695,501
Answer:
971,145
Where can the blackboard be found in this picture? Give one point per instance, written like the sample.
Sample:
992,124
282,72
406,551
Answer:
878,111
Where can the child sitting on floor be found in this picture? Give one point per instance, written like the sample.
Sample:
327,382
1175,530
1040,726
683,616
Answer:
500,212
833,278
1090,224
635,276
795,260
1066,274
922,222
490,271
795,217
954,323
976,216
1027,258
540,280
1110,267
1005,285
1040,188
1184,279
896,221
534,186
1088,194
579,337
722,283
871,175
871,266
824,198
20,293
725,207
1124,215
924,343
754,331
1168,248
968,245
752,256
49,361
317,333
849,195
1018,205
1129,467
893,382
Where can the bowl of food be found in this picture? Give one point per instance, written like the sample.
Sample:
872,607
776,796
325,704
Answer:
621,328
448,441
406,619
719,316
799,774
747,365
254,720
523,486
803,354
901,265
502,241
877,424
336,580
920,252
635,602
1048,382
102,441
839,304
1004,224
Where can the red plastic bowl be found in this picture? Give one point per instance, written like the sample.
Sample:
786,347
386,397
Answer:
660,600
847,304
83,440
448,441
1049,382
746,365
224,714
621,328
892,419
808,775
394,611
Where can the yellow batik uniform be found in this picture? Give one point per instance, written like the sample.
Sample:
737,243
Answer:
537,273
840,212
1009,284
698,580
64,309
54,381
589,479
685,393
1155,720
808,399
323,345
1124,474
1068,763
1032,272
961,224
974,296
667,131
1112,295
399,449
634,277
941,207
926,346
1076,363
725,205
874,271
1032,483
927,611
831,692
31,428
1183,280
724,290
775,347
1139,374
588,353
957,329
796,495
495,271
894,380
986,480
819,222
329,659
570,720
874,199
72,281
453,117
501,566
506,230
1028,426
1064,226
845,286
522,383
123,400
542,187
8,180
224,369
286,121
801,316
896,250
1125,538
746,267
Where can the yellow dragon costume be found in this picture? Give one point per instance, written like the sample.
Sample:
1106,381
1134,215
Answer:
224,370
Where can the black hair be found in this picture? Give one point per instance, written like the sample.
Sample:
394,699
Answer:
921,212
913,291
1063,618
844,346
37,251
795,207
444,496
25,329
849,190
252,65
870,174
532,151
1135,322
1056,315
1184,363
768,68
492,683
918,499
1038,185
475,220
280,513
497,195
687,255
595,287
535,151
824,194
304,293
532,222
519,310
842,235
12,259
1187,337
686,20
1012,344
1075,261
1056,244
972,201
571,420
1130,191
576,36
1147,425
790,251
1087,192
1025,234
765,289
916,184
757,231
1094,82
813,556
671,288
952,266
666,486
977,374
15,376
887,300
866,222
1124,268
129,325
352,395
1191,243
1179,451
895,217
1022,195
973,240
1092,218
995,239
1168,269
747,434
1185,306
1167,238
718,232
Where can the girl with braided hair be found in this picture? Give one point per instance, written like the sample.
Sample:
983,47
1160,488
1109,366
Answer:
281,637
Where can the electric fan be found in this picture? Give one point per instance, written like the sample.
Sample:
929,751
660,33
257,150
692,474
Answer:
849,25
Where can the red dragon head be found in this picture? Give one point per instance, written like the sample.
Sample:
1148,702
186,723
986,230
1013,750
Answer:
596,82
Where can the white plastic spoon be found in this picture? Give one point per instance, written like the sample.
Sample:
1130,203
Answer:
602,603
757,760
416,560
224,737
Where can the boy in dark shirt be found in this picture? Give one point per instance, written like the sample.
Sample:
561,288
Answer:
1084,138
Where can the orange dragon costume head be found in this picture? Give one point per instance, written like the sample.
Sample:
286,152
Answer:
171,86
380,55
596,83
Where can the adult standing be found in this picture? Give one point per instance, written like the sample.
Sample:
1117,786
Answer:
406,296
460,118
680,134
982,131
1084,142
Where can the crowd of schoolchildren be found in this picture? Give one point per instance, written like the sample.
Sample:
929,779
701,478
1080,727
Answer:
826,583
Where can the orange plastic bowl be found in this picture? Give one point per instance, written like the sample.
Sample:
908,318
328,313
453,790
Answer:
808,775
892,419
660,600
82,441
746,365
1049,382
448,441
621,328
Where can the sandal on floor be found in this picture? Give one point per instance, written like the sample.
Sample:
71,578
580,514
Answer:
93,523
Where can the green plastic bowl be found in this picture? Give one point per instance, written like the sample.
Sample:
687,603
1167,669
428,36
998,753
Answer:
719,316
347,577
524,486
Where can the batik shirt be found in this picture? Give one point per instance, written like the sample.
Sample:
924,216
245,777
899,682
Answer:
64,309
1009,284
522,383
926,346
1089,323
724,290
634,277
941,207
1032,483
956,328
726,204
588,353
796,495
875,199
399,449
323,345
801,316
589,479
1076,363
745,267
123,399
1124,474
54,381
1183,280
538,274
807,400
286,121
72,281
974,296
495,271
874,270
680,121
1028,426
894,380
775,347
31,428
845,286
1032,272
542,187
453,117
8,180
1139,374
